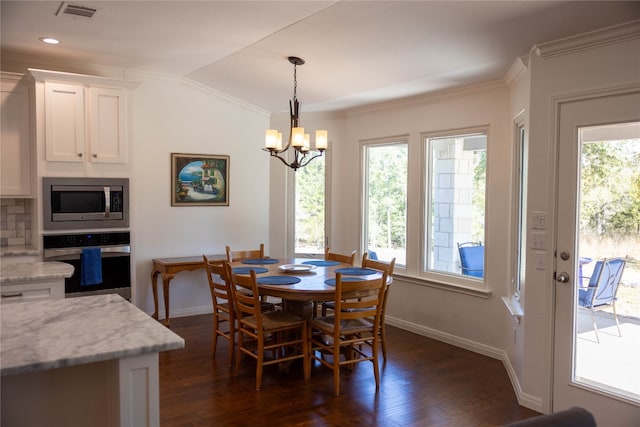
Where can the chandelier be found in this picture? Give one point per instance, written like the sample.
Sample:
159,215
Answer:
299,141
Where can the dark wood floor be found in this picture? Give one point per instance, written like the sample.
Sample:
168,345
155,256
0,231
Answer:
423,383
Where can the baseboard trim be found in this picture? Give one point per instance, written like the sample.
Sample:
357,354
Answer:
524,399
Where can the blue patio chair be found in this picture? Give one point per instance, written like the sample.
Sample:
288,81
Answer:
602,289
472,258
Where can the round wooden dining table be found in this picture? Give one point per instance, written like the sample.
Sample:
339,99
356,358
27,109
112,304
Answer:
314,279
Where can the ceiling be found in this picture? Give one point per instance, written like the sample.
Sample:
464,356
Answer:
356,52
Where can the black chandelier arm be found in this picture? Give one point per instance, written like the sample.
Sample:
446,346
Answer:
299,158
310,158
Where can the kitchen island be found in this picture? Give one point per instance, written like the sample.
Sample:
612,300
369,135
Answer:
33,281
81,361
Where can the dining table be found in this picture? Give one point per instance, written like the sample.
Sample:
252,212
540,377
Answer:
300,282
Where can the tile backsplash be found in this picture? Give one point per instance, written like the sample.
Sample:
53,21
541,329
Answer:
15,222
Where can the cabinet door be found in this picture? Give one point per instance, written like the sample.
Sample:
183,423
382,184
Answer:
15,145
107,127
64,122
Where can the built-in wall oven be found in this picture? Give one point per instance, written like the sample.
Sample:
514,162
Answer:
113,261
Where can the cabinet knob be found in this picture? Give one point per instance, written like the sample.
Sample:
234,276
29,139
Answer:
79,154
95,156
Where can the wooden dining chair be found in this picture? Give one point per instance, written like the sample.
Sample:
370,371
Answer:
333,256
251,254
244,254
348,329
388,267
222,299
282,333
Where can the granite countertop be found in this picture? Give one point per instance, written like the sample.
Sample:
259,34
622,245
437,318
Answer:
18,251
32,271
42,335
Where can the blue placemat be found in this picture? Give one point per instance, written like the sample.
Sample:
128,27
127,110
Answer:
246,270
258,261
322,263
278,280
332,282
356,271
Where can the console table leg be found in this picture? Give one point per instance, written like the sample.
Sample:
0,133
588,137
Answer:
154,289
166,278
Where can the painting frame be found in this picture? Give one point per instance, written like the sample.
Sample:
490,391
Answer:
193,185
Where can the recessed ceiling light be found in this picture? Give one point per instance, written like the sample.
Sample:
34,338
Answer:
49,40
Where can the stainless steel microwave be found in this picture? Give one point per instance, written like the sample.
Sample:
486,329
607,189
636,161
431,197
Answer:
85,203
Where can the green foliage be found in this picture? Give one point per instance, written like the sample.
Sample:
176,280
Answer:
310,206
610,188
387,195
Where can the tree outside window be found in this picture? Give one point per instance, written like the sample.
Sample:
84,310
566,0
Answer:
386,201
309,210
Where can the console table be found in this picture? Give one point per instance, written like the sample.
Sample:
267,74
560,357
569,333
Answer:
168,268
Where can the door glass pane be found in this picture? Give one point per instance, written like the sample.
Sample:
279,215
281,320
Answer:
309,208
386,201
607,331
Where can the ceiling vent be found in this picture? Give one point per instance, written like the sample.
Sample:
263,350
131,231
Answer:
76,11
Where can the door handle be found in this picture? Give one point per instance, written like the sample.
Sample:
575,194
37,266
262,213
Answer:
562,277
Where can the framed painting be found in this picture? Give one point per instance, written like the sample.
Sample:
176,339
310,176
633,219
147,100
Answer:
199,180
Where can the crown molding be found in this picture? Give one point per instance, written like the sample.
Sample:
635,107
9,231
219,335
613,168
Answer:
590,40
426,97
517,69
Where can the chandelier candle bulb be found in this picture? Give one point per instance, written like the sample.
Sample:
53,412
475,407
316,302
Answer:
306,145
297,137
271,139
321,139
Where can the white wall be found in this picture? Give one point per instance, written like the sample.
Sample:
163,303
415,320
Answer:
475,320
172,116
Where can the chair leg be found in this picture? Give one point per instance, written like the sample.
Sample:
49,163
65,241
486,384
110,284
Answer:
306,345
615,315
376,369
383,336
236,369
232,340
595,326
214,343
336,370
259,362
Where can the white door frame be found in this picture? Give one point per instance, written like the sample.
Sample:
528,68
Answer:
561,330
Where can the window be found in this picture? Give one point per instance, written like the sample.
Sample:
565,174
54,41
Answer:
309,208
385,204
519,176
454,211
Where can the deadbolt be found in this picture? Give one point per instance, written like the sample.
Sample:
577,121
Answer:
565,255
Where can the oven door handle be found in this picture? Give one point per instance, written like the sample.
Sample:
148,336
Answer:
74,253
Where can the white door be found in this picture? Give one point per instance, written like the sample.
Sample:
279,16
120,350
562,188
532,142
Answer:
597,371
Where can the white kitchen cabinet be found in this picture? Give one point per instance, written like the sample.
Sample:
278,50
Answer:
16,148
64,122
84,123
81,119
107,125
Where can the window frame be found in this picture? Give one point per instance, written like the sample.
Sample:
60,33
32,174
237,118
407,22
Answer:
364,189
519,204
291,208
442,277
